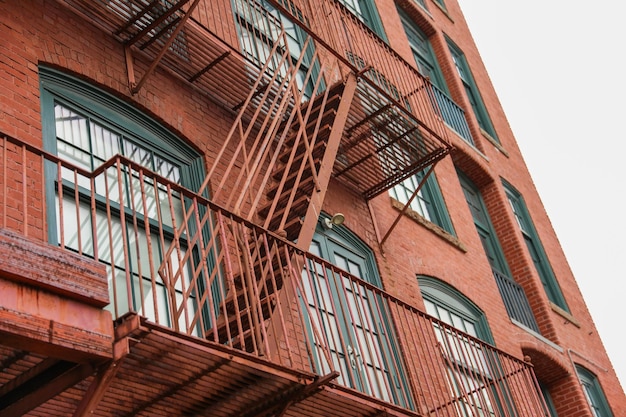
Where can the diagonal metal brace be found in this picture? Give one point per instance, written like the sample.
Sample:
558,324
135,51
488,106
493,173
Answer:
279,409
408,203
134,88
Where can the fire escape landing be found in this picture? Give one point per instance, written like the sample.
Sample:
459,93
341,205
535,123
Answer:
388,129
359,124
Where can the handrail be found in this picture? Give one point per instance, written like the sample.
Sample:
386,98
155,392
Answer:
515,301
232,282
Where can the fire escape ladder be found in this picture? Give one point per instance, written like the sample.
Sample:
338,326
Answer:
304,166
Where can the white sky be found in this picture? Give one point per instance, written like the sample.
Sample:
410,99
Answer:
558,69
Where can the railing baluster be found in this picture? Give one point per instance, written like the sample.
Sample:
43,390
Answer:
515,301
283,290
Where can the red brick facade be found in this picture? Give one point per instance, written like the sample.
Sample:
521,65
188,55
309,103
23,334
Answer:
37,33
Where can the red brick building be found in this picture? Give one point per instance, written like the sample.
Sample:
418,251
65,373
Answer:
274,208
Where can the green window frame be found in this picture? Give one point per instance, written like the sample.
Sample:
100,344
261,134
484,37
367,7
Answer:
428,202
367,13
548,398
471,90
441,4
258,27
354,320
428,66
452,307
422,4
469,366
87,126
594,393
535,248
484,227
423,52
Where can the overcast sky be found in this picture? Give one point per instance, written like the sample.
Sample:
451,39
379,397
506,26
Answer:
558,69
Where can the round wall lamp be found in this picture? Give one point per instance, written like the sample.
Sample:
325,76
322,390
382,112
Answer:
336,220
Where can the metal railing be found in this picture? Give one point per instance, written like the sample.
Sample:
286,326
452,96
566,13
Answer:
359,48
453,115
181,261
515,301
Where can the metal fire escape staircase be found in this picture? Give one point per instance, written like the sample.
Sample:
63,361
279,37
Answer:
300,117
367,118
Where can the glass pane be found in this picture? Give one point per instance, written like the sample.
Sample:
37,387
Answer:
71,128
105,142
138,154
76,224
167,170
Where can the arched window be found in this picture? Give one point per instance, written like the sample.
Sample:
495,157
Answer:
123,212
450,306
474,373
351,318
593,391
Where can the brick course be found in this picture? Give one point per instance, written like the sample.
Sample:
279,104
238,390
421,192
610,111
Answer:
41,32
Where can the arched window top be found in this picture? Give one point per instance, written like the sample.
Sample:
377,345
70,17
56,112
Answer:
81,96
341,239
593,392
451,306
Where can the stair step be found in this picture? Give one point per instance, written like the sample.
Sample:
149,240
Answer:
327,119
334,98
243,318
298,208
318,148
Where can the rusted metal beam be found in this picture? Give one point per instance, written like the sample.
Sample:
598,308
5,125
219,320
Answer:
12,359
317,199
279,408
135,18
173,390
106,373
41,383
156,22
209,67
135,89
406,206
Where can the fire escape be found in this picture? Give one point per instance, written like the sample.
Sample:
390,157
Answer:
344,107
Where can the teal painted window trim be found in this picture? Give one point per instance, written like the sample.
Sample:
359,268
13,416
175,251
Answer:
262,25
471,90
594,393
535,248
427,64
442,299
366,11
429,201
453,308
345,250
87,126
422,4
441,4
105,111
484,227
548,398
423,52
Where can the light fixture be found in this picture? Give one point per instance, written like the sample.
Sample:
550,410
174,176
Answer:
336,220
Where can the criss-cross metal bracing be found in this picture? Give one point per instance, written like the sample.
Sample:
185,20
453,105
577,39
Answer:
344,105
